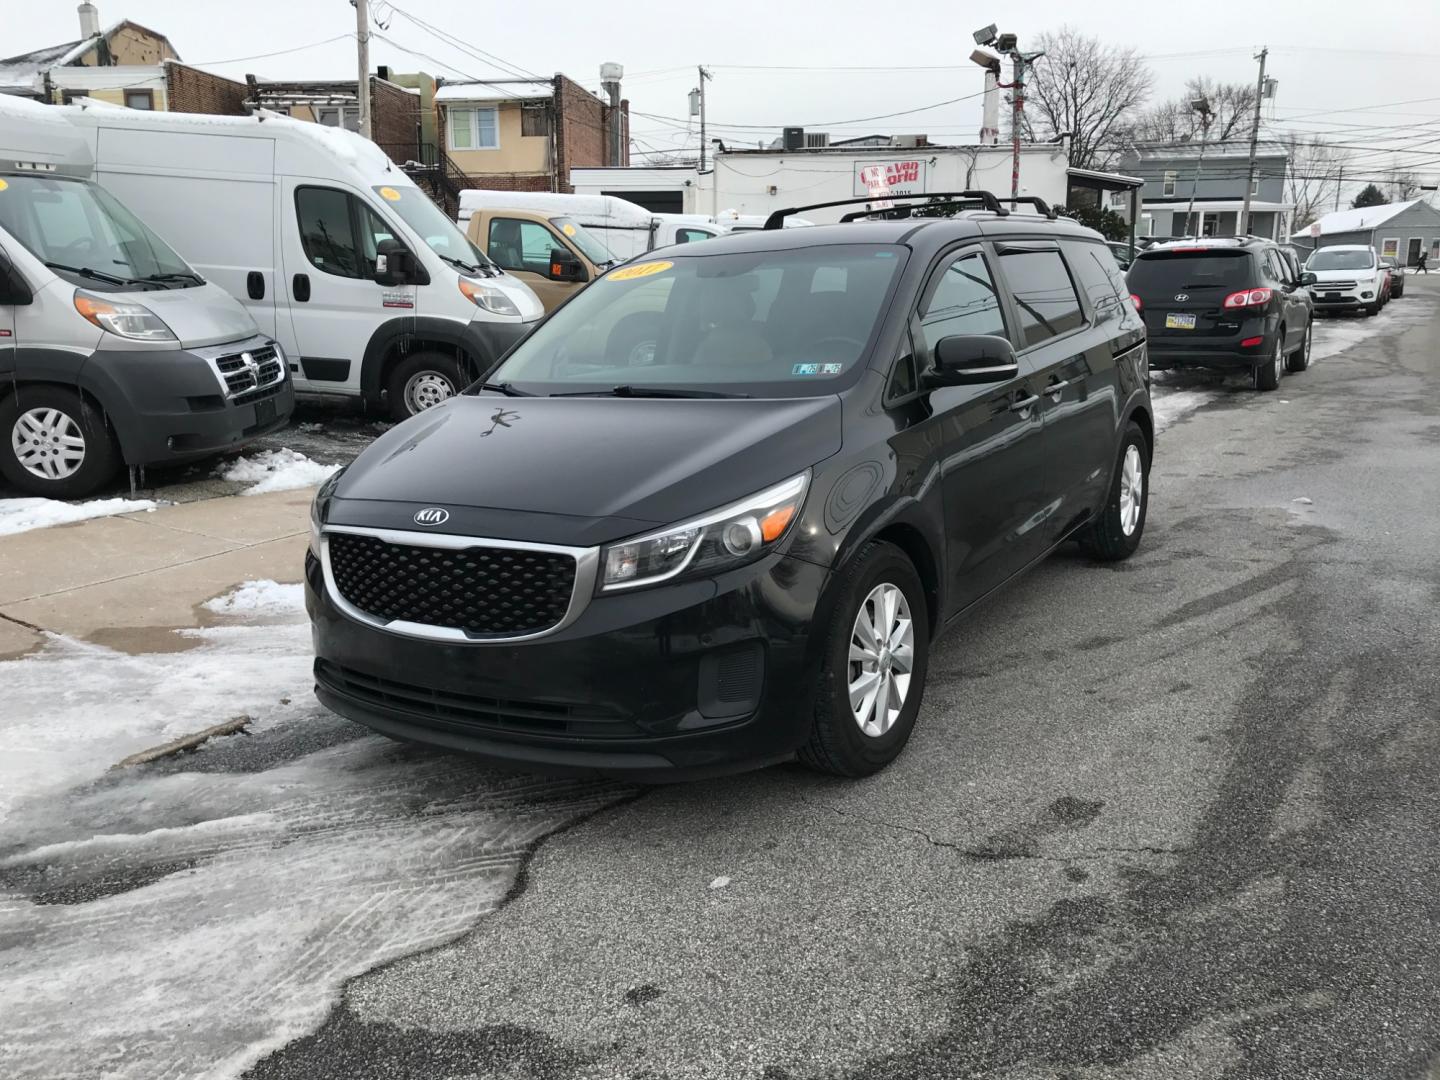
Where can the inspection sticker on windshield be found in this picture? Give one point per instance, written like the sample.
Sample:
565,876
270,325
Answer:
817,369
3,185
389,194
629,273
568,229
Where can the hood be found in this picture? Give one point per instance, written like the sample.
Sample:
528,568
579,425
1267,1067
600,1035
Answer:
204,315
633,461
1345,275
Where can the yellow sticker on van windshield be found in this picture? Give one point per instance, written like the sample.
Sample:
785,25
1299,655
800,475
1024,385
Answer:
3,185
568,229
629,273
389,194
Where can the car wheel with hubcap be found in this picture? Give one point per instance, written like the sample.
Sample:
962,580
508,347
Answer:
872,676
55,444
421,382
1116,533
1300,358
1267,375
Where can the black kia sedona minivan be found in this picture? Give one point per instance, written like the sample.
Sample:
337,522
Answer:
714,511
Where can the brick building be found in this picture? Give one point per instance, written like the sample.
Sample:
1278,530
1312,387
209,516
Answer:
122,64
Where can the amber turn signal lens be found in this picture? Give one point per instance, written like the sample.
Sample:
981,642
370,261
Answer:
772,527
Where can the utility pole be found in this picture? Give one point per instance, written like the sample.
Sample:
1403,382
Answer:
362,49
1017,121
1339,183
704,76
1244,229
1202,106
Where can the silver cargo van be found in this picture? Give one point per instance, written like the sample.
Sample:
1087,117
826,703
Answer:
113,350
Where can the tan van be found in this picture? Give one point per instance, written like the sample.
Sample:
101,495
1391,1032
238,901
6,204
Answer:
551,253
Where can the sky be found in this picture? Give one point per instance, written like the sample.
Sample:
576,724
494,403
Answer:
827,65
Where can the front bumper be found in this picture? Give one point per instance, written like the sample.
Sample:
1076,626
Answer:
173,406
674,682
1341,299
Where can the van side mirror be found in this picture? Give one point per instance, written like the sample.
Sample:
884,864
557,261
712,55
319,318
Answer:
394,265
1307,278
564,266
970,359
14,291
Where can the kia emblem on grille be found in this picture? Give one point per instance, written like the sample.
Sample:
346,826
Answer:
432,515
1182,297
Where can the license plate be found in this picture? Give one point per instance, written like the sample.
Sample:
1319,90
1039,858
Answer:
264,412
1179,322
1332,296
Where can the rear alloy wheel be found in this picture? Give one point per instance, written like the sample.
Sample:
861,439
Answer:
1267,375
421,382
55,444
1300,358
873,672
1116,533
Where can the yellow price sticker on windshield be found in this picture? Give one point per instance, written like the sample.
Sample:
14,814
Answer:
629,273
568,229
3,185
389,194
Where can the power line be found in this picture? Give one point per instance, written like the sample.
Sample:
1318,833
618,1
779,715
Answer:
820,123
474,52
282,52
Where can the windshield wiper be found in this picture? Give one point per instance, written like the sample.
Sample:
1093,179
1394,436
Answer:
626,390
489,270
508,389
98,275
183,275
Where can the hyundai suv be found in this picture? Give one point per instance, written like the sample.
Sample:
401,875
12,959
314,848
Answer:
1231,303
713,512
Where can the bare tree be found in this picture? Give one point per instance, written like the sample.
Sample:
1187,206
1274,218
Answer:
1232,108
1404,184
1312,177
1089,89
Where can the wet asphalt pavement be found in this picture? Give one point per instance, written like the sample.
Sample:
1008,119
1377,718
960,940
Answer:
1172,818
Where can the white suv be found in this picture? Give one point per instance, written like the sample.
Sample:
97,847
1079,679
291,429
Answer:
1347,276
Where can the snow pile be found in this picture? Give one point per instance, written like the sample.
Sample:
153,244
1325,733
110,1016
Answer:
1172,405
22,515
259,599
276,470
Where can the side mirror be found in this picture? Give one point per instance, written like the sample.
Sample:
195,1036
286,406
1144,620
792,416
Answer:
970,359
1307,278
564,266
14,291
394,265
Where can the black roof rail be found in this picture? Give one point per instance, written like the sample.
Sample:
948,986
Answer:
1039,204
991,203
911,210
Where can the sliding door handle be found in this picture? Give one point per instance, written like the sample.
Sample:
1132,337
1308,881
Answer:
1023,404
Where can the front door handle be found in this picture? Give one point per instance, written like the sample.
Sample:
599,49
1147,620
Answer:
1058,388
300,287
1024,404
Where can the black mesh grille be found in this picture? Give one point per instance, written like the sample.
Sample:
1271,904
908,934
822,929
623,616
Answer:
484,591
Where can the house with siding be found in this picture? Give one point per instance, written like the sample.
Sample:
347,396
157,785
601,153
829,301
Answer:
1195,190
123,64
1397,230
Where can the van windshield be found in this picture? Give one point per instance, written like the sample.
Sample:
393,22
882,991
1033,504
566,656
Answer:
1341,260
795,323
586,241
82,232
440,234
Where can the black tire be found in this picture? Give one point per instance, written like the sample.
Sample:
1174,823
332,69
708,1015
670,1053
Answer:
837,744
1372,309
1267,376
1299,360
101,456
439,371
1107,539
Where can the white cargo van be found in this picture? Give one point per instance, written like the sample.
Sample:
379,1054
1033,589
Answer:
372,291
113,350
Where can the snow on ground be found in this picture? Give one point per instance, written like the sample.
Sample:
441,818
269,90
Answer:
182,919
259,598
276,470
22,515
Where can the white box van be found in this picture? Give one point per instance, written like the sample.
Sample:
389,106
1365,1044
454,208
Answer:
372,291
113,350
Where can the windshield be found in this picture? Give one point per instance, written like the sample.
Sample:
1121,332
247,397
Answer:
1170,271
1341,260
762,323
440,234
587,242
83,233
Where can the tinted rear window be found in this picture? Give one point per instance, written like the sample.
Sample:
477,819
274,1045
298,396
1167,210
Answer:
1173,270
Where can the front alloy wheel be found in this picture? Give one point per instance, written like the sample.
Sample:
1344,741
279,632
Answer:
882,656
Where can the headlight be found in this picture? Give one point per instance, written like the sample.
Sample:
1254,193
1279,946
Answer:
125,320
488,297
327,489
740,533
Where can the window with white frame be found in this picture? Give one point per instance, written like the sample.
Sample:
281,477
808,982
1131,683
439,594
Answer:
476,128
1169,182
1255,184
346,116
